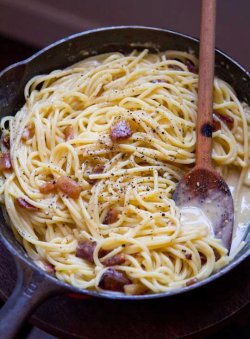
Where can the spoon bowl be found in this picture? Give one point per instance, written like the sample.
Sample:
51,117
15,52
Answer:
205,189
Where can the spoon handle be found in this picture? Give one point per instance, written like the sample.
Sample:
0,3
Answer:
205,89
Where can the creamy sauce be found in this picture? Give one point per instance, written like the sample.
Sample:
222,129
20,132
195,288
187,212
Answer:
242,210
193,215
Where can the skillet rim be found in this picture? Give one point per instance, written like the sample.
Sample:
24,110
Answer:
112,295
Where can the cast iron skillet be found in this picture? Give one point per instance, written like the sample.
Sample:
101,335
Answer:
34,285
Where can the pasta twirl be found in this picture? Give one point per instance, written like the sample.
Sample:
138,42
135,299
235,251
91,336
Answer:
121,218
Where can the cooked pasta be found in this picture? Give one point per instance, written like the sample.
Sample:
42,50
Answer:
96,153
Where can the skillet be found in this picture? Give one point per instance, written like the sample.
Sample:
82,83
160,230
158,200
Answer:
33,284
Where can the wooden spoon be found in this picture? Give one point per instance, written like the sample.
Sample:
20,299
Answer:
203,187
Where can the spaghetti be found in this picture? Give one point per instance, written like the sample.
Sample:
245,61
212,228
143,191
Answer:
96,153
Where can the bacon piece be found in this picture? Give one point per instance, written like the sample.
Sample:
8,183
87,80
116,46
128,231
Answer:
229,121
175,67
203,258
191,66
216,254
28,132
117,259
98,169
188,256
48,187
85,250
26,205
92,181
216,125
120,131
114,280
111,216
6,141
191,281
68,132
46,266
135,289
49,268
5,162
69,187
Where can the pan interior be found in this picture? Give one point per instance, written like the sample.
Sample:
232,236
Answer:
82,45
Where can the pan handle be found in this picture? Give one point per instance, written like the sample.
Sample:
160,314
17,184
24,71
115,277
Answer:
32,288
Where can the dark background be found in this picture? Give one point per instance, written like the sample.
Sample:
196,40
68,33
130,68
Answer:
40,22
27,25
